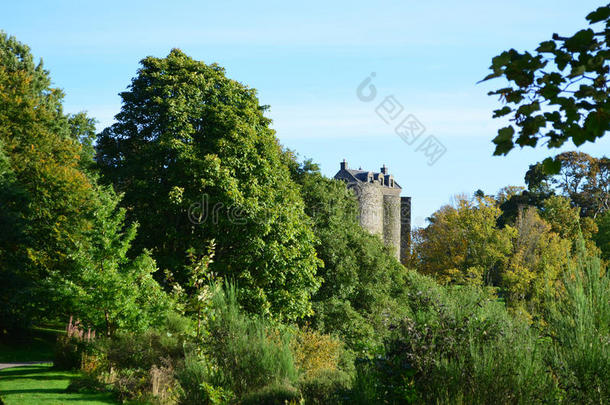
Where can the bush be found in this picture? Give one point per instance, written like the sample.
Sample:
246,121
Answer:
68,353
194,376
71,348
277,394
325,388
141,366
383,380
86,383
248,352
458,344
580,327
316,353
141,350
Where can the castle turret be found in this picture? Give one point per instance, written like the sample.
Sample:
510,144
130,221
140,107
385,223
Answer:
382,211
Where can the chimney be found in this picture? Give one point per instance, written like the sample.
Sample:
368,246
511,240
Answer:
344,165
384,169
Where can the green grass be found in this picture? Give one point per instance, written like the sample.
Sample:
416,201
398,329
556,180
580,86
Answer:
40,384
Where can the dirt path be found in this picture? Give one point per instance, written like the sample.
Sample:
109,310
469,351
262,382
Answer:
25,363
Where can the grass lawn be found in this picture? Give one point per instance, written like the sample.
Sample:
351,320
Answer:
40,384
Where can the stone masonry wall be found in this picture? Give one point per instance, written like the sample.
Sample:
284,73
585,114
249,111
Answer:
371,207
405,228
391,223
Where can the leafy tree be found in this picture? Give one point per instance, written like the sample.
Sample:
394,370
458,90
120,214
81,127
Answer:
51,209
538,259
62,241
559,92
196,159
462,244
602,237
111,291
361,281
583,179
539,188
565,220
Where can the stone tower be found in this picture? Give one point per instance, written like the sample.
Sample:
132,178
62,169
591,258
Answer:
383,211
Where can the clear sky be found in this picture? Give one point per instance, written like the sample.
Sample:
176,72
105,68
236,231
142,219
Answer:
307,59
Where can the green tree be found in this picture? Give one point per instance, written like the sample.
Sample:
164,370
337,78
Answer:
112,291
602,237
565,220
361,280
63,243
52,209
538,259
463,244
559,92
196,159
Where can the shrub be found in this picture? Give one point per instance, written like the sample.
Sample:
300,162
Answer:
71,348
277,394
194,377
458,344
315,353
248,352
86,383
580,327
141,350
383,380
325,388
141,366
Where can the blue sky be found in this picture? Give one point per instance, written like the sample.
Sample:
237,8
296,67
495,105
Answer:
307,59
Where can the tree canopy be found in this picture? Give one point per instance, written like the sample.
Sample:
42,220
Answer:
54,214
196,159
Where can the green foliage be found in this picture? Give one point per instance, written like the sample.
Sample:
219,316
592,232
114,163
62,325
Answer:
602,237
47,195
196,297
111,291
140,350
247,352
273,395
557,93
326,388
69,352
462,244
361,280
66,243
463,346
197,161
193,377
579,325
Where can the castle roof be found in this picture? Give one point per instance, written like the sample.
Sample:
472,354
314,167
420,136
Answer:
365,176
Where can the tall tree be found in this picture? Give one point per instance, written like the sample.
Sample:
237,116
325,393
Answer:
55,219
196,159
43,157
462,244
537,261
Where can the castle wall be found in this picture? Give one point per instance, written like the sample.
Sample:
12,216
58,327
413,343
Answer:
391,222
370,200
405,228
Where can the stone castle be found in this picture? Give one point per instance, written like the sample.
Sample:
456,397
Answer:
383,211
